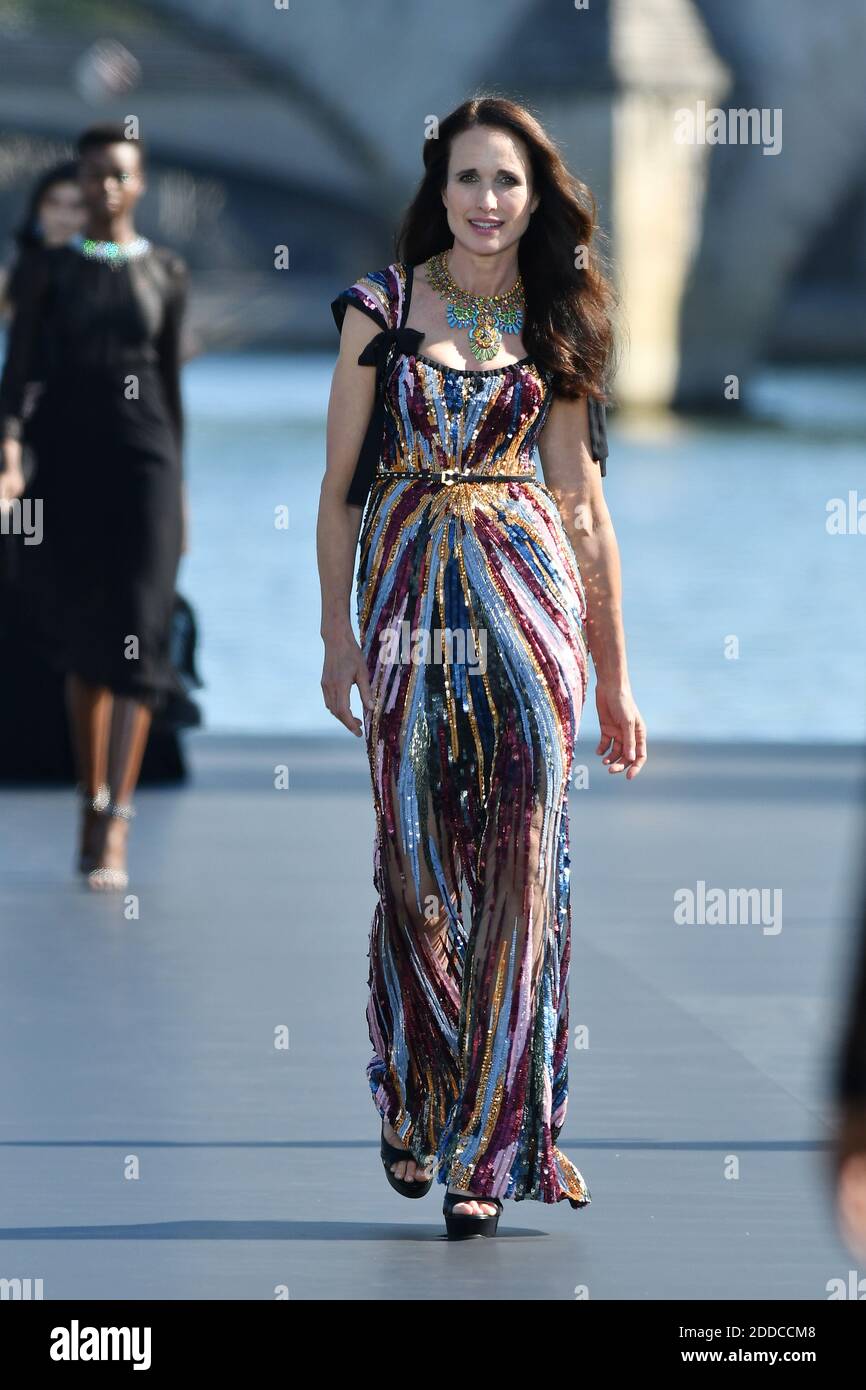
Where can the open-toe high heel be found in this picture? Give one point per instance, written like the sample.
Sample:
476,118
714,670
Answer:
459,1225
103,876
92,808
407,1187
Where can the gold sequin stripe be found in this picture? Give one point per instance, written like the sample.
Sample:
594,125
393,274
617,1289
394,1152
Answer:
463,1171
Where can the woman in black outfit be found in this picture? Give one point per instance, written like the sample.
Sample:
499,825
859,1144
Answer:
103,315
54,213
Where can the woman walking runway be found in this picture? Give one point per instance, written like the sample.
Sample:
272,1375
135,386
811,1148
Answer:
97,322
475,626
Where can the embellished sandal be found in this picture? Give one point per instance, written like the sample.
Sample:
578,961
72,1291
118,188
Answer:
103,877
91,806
406,1187
459,1225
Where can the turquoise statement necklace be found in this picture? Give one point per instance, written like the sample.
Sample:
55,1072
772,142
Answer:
113,253
487,316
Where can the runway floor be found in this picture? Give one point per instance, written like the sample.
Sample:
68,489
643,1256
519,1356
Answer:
155,1143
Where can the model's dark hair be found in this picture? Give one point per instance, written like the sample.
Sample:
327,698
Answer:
568,323
27,233
95,137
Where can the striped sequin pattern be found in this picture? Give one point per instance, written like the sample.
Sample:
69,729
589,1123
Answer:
471,616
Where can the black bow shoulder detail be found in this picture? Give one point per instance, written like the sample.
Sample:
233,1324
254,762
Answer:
379,348
377,353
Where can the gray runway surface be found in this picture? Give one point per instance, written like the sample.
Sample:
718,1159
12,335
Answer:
156,1144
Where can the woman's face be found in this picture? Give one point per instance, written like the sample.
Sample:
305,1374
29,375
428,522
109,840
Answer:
488,195
111,179
61,212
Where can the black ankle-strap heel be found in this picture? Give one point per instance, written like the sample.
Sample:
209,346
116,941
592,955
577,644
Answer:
459,1225
404,1186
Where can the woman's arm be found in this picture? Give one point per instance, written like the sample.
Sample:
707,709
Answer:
168,344
170,357
339,522
574,478
30,286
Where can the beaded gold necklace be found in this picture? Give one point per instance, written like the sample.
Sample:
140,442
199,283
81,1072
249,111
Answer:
487,316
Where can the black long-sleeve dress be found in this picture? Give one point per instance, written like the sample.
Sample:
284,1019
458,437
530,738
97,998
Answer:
107,432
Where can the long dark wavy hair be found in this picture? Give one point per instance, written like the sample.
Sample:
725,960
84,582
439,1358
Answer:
27,233
570,307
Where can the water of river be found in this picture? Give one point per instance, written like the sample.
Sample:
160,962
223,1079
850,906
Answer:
722,527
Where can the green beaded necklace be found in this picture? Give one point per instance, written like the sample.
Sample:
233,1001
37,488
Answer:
114,253
487,316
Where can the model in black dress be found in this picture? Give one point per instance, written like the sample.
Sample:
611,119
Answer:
102,316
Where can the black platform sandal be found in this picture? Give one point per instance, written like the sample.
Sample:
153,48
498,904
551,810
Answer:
404,1186
459,1225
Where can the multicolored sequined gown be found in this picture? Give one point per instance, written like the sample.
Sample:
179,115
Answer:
471,616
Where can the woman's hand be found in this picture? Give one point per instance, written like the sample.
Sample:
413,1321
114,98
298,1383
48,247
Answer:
12,477
622,727
344,667
847,1169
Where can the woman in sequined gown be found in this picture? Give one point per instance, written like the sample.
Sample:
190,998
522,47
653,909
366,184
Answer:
477,603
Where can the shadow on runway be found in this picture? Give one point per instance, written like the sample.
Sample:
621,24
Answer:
336,1230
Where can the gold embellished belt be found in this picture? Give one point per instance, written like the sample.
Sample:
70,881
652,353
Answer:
453,475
